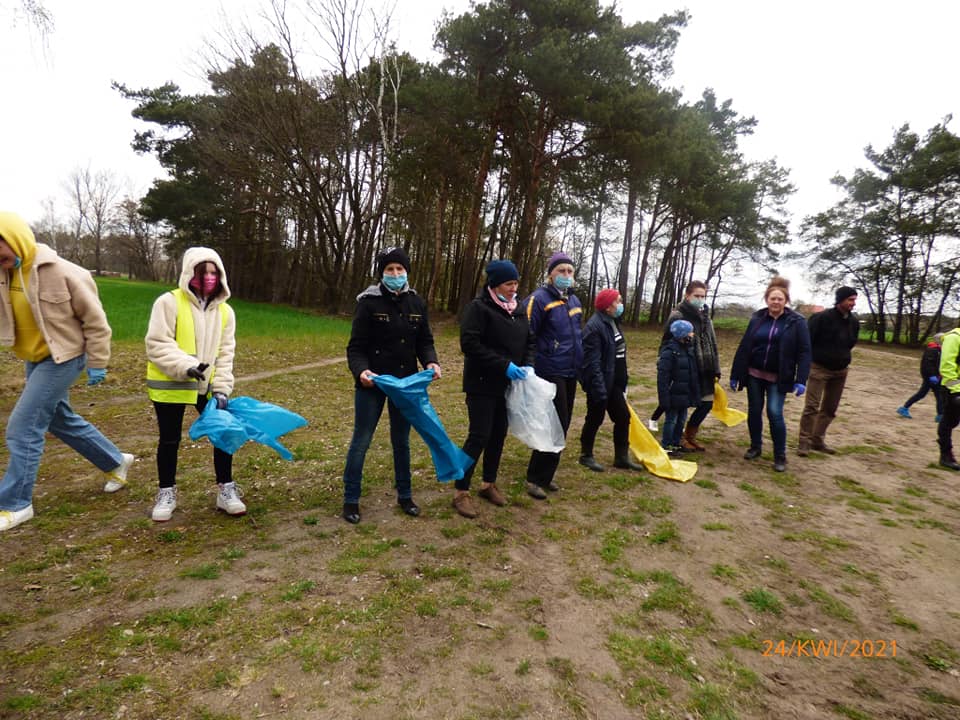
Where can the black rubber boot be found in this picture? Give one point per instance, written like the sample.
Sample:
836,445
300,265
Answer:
621,459
588,461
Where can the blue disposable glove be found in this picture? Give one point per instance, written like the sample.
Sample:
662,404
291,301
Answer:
515,373
221,400
95,376
799,389
934,380
734,385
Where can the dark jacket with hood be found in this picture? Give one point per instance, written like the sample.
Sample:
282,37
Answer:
555,320
599,358
832,336
704,343
791,362
491,339
930,362
678,384
390,333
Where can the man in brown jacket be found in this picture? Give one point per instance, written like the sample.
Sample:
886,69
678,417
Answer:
51,316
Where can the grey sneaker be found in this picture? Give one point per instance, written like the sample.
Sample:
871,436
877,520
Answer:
117,478
535,491
165,505
228,499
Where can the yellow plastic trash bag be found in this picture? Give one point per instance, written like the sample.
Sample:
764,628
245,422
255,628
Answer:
723,412
654,457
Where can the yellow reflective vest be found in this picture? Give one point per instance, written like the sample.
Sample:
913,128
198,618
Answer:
163,388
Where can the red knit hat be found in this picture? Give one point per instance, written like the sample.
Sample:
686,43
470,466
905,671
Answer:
605,298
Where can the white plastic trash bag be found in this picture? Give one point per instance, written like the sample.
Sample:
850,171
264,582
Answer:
531,416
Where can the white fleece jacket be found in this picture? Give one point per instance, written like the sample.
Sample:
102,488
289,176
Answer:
162,348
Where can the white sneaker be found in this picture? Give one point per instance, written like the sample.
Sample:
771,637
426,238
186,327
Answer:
12,518
228,499
117,478
652,425
166,504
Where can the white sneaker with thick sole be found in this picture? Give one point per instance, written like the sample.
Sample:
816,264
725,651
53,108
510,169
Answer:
12,518
166,504
117,478
228,499
652,425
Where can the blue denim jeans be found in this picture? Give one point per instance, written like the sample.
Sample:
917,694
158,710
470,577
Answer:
758,392
673,423
367,408
44,405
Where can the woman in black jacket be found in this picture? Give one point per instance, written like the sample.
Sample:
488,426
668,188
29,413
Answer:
603,376
773,359
390,334
496,342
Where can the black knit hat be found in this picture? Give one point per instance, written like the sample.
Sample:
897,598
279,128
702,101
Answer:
843,293
392,255
501,271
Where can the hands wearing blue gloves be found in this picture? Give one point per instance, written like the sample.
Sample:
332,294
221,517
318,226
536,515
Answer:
934,380
515,373
799,389
221,400
734,385
95,376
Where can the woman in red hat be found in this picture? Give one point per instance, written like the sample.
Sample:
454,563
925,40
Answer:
603,376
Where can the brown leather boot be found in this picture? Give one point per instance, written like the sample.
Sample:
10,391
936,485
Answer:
689,440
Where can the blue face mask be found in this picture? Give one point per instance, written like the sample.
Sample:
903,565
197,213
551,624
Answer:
698,303
561,282
502,298
619,311
395,283
17,262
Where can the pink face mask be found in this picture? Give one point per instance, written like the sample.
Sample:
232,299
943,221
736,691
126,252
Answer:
210,281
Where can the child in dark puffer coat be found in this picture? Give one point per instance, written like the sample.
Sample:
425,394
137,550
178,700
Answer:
678,383
930,374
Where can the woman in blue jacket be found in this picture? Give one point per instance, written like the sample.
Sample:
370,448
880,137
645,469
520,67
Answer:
773,359
555,317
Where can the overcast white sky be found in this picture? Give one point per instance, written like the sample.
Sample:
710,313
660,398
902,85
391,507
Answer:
823,79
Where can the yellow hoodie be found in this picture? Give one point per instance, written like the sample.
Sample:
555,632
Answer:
62,303
28,341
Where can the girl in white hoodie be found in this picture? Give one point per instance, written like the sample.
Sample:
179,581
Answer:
190,345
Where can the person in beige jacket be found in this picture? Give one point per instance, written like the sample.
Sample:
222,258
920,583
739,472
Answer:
190,344
51,316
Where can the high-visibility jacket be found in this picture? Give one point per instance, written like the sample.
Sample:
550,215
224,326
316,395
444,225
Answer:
949,367
163,388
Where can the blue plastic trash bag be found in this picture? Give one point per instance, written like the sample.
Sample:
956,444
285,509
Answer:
409,394
246,419
221,427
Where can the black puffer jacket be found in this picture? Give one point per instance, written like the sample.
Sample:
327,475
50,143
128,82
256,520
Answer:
390,333
491,339
599,358
678,384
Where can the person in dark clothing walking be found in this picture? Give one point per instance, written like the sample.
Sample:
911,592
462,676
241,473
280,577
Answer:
604,380
555,316
950,384
678,383
773,359
693,309
390,334
930,377
833,333
497,344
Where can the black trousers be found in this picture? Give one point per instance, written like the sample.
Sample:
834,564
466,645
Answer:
616,406
488,429
543,465
949,420
170,421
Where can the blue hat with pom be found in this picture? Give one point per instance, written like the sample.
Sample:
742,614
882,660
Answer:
680,328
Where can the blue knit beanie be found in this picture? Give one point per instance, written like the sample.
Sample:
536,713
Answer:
680,329
500,271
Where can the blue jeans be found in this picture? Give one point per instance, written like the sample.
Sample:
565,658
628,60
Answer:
673,423
759,391
44,405
367,408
